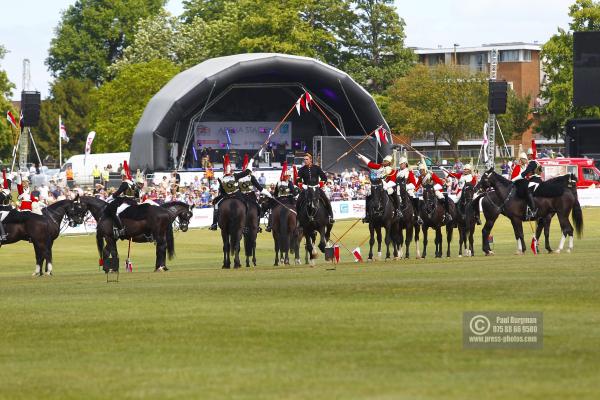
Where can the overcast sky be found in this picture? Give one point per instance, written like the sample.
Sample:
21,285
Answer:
428,24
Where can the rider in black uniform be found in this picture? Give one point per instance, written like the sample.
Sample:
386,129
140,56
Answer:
4,204
284,192
128,193
312,175
532,174
228,187
247,183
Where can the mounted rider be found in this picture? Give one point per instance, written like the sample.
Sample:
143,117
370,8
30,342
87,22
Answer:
312,175
429,177
532,174
28,202
228,187
405,173
464,178
248,183
385,174
519,167
284,191
126,195
5,207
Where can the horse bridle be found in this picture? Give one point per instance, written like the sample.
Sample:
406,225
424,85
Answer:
314,207
380,209
500,208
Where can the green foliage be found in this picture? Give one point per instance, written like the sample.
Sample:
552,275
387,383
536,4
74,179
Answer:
119,103
517,119
92,35
558,66
377,55
446,101
71,99
7,135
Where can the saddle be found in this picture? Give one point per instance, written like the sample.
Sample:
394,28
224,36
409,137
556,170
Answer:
137,213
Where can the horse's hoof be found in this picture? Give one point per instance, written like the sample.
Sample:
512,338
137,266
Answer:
225,267
312,263
568,250
519,253
35,275
298,262
460,256
49,273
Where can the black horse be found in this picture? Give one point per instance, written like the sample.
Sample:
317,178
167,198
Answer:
42,230
381,212
143,223
181,213
251,228
554,196
466,218
313,218
433,216
403,230
232,220
285,232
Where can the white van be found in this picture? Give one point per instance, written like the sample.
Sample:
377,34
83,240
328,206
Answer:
82,171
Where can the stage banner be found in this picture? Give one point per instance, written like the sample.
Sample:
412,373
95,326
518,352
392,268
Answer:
237,135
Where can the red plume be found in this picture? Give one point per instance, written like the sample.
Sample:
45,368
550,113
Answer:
226,164
295,173
245,163
5,181
283,170
127,170
534,149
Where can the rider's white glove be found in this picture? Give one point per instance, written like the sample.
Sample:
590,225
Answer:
390,190
266,193
250,166
363,158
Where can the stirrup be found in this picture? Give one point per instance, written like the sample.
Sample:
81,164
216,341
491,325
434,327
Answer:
331,220
213,227
268,228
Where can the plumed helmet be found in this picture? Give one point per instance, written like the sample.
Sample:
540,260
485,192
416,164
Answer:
422,166
402,160
387,158
530,151
467,166
523,156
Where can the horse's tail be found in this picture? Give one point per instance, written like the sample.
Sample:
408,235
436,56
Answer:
284,237
170,242
100,243
577,215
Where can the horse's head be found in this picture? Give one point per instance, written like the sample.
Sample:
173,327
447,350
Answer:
5,197
185,217
486,180
312,199
76,212
429,197
376,202
468,192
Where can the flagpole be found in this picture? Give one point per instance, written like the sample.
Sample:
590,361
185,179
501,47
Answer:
59,142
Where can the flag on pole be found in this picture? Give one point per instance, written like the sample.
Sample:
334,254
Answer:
11,119
88,144
336,253
381,136
62,130
485,142
534,245
357,256
304,102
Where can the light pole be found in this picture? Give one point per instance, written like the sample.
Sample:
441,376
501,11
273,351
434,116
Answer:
455,46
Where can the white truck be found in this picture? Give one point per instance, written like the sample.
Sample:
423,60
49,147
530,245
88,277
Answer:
83,166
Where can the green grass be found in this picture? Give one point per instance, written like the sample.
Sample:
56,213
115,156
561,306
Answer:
384,330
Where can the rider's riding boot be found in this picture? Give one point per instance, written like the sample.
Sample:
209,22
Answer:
447,208
329,209
269,223
532,210
396,200
213,227
119,230
417,208
366,219
3,235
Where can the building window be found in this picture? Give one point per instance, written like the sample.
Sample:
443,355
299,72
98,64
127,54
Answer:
526,55
509,56
435,59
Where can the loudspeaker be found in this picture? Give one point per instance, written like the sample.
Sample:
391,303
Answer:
30,105
582,137
497,94
586,69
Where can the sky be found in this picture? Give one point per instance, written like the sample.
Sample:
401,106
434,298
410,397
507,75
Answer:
428,24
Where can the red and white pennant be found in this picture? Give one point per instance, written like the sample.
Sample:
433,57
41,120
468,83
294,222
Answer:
304,102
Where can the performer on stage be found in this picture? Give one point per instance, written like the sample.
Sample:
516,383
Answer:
312,175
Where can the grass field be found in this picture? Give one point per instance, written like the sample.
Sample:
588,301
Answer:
383,330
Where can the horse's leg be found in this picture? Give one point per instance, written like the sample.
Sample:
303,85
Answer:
38,260
485,234
471,240
424,227
276,245
438,242
518,230
401,246
371,241
49,268
449,230
237,239
417,230
378,232
226,244
566,229
310,248
408,240
387,241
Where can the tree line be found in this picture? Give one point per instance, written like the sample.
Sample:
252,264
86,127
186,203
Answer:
109,58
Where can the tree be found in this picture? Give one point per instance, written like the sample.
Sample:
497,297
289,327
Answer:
7,135
71,99
377,55
92,35
558,67
120,102
444,100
